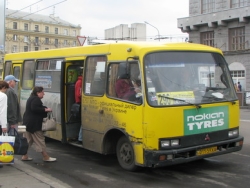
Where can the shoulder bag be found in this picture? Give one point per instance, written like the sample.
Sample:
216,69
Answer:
21,144
49,123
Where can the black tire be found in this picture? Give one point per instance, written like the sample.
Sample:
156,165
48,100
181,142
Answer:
125,154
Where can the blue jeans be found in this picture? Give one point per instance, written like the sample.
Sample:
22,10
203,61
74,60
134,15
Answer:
11,131
80,135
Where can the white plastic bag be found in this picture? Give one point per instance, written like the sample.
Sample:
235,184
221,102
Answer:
7,149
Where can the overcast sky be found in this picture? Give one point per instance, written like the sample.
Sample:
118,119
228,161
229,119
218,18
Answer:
95,16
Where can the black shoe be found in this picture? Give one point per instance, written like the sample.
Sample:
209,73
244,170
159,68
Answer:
79,142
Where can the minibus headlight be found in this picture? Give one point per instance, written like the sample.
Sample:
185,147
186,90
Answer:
165,143
233,133
168,143
175,142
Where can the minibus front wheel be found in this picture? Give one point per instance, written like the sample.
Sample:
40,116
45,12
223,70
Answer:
125,154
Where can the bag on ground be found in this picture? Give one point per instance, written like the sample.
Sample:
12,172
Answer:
49,123
7,149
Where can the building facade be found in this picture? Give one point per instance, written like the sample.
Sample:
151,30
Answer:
32,32
137,32
223,24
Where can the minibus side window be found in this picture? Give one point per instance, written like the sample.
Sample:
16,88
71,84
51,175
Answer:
28,74
48,74
123,88
7,68
95,76
16,73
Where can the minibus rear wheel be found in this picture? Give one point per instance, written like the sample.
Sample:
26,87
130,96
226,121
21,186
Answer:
125,154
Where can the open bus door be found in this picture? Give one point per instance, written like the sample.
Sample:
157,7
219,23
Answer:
73,69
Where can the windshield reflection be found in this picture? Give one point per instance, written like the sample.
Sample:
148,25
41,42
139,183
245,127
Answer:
192,77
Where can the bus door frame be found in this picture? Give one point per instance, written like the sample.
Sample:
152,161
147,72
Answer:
65,107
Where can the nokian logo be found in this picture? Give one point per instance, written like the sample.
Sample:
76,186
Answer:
205,120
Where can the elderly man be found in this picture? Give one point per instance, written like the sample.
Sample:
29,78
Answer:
13,110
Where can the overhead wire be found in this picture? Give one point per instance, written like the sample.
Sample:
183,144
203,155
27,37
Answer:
37,11
23,8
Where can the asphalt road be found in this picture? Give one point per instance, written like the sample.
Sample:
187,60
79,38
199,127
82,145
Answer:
78,167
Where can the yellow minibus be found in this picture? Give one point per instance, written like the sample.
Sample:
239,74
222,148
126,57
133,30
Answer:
151,104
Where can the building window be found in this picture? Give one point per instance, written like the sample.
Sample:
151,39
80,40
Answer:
14,25
26,39
36,48
239,3
46,40
208,6
46,29
239,76
65,31
36,28
46,48
74,43
56,42
26,27
237,38
74,32
14,48
36,39
14,37
207,38
56,30
65,43
25,48
36,42
238,73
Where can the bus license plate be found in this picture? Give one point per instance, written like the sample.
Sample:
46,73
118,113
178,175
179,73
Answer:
206,151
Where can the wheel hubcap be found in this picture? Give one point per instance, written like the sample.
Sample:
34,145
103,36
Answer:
126,153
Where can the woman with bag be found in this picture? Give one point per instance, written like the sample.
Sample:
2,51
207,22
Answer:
33,119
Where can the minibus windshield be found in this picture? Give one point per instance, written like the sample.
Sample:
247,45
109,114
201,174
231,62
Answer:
192,77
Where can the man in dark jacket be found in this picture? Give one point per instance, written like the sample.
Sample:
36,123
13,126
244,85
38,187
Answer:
13,110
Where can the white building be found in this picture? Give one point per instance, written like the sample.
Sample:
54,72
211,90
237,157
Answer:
137,32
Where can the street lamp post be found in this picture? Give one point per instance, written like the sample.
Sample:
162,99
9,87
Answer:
155,28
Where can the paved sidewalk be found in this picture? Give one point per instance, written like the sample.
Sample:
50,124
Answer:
21,175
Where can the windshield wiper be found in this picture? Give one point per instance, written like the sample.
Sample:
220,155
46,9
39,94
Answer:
176,99
214,98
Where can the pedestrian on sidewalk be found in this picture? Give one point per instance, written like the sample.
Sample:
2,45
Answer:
239,87
3,108
33,119
13,110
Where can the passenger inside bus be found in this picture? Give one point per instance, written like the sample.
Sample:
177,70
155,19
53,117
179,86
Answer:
78,96
125,89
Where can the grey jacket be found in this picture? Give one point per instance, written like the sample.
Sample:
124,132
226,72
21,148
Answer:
13,109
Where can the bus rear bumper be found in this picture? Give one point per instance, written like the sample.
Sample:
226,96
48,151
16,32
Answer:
176,156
